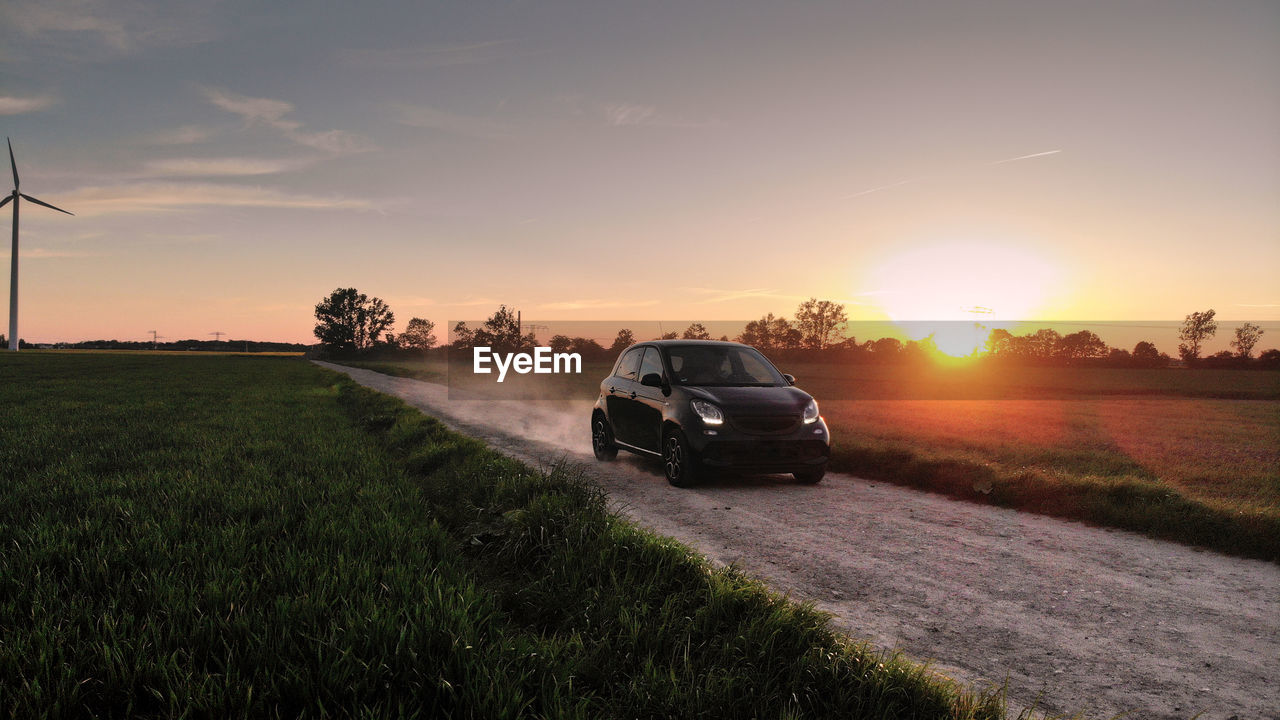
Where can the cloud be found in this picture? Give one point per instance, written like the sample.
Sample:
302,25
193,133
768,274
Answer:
43,254
626,114
719,295
271,113
81,28
185,135
430,56
42,19
12,105
161,197
410,301
206,167
594,303
264,110
423,116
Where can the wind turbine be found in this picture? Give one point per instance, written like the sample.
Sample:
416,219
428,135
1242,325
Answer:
13,258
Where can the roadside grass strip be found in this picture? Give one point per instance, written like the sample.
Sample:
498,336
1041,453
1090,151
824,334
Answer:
235,536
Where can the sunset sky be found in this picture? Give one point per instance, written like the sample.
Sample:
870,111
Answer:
231,163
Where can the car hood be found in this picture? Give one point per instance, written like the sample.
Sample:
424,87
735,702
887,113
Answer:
754,400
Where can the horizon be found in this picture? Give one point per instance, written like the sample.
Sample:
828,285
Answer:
1122,335
229,166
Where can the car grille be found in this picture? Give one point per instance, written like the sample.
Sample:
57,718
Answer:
767,424
764,452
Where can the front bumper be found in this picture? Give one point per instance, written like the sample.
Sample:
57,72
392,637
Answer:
806,448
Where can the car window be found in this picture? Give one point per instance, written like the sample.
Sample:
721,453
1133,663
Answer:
756,366
629,364
652,363
721,365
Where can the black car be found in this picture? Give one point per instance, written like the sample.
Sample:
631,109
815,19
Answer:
701,404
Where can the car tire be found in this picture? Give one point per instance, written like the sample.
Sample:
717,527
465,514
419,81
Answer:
602,439
678,463
810,477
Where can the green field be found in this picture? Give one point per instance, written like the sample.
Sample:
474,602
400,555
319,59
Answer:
204,536
1185,455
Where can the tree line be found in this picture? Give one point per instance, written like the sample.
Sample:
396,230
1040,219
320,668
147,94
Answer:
349,322
229,345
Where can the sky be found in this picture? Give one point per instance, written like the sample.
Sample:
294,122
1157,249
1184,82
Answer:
230,164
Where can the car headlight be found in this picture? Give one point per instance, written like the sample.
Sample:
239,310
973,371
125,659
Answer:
810,412
709,413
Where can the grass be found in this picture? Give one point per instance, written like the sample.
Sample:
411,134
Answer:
240,536
1188,456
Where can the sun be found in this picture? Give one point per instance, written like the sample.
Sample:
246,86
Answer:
952,291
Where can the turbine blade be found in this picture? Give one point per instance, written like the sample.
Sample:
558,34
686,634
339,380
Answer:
41,202
6,199
13,163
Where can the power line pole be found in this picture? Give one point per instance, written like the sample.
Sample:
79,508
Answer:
217,335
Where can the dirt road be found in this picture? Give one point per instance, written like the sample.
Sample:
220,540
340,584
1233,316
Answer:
1086,619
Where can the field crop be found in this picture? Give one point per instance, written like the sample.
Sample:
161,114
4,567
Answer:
1186,455
233,536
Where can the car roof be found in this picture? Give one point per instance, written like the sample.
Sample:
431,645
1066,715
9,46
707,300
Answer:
669,343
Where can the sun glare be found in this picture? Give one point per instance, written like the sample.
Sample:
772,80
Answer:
950,291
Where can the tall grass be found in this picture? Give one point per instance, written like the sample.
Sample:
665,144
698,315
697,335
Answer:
228,536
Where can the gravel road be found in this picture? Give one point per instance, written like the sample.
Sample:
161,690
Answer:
1084,619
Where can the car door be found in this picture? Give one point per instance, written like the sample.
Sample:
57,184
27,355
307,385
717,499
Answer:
620,389
648,403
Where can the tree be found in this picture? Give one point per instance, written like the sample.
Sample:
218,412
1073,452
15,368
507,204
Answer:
589,349
696,331
820,322
625,339
1044,343
1081,345
1247,335
418,335
1198,327
668,335
560,343
463,336
350,321
999,342
502,332
770,333
1145,354
885,349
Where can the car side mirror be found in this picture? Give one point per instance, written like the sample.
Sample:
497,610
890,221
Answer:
791,379
651,380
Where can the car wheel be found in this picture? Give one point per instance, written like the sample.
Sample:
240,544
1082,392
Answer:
602,439
681,467
811,477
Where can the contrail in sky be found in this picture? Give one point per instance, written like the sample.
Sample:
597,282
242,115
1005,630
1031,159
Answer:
1026,157
875,189
927,177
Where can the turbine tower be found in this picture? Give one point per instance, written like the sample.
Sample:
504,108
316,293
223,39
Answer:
13,258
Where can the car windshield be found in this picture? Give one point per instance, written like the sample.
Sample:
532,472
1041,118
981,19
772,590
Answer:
722,365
